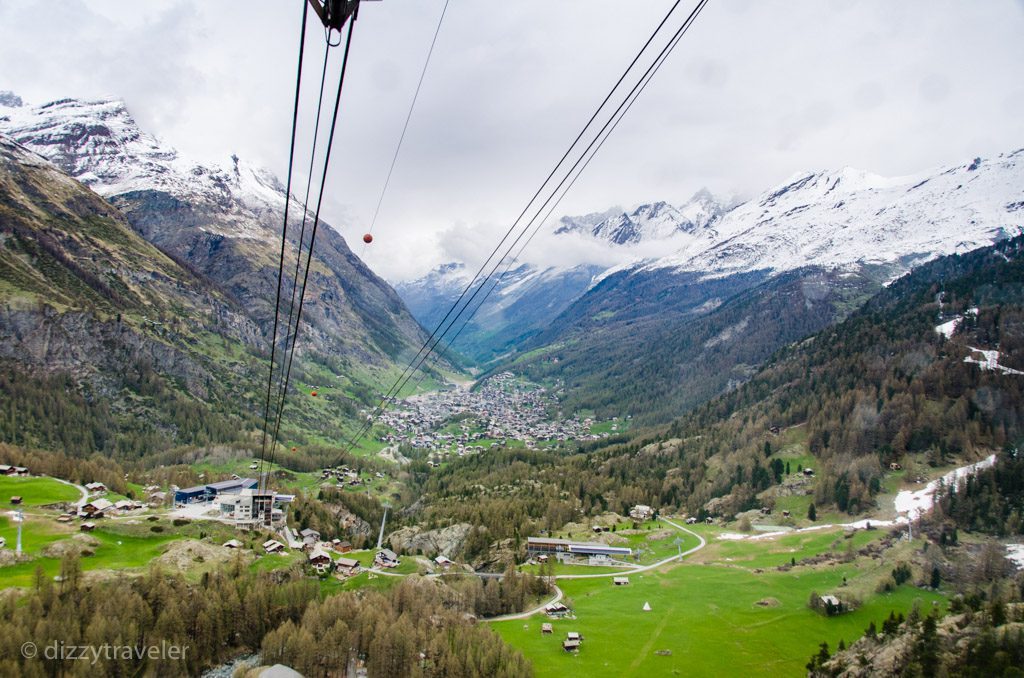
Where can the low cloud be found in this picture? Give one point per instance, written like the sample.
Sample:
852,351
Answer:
754,93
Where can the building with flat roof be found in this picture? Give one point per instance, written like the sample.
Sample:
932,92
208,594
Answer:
211,491
251,508
565,549
190,495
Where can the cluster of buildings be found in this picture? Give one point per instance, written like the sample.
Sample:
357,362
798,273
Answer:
344,475
7,470
503,409
240,501
319,553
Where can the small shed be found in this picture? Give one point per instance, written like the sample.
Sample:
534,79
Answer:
571,645
232,544
547,627
87,527
621,581
15,500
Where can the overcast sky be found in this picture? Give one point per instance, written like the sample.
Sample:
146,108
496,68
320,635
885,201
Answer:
757,91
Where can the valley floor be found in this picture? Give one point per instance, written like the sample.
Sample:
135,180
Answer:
737,609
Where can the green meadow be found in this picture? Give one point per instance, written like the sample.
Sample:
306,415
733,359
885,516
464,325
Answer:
715,619
114,552
36,491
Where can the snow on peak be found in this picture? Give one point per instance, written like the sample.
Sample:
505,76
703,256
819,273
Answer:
99,143
646,223
9,99
849,217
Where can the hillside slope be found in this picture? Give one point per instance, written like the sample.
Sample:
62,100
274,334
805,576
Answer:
883,386
141,315
105,342
223,221
850,232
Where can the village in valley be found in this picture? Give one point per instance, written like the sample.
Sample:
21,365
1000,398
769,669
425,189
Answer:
500,410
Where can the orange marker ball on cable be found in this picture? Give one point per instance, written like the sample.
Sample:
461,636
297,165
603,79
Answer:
367,238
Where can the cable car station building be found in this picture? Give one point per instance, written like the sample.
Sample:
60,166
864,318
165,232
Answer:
567,551
240,501
204,493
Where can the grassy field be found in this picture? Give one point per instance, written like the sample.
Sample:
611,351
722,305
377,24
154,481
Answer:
562,568
37,533
707,616
783,550
36,491
114,552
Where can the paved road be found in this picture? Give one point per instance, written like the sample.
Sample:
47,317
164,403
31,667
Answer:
528,613
634,570
558,591
85,492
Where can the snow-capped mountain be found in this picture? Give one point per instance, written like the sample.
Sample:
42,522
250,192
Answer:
223,220
778,269
850,218
528,297
655,221
101,145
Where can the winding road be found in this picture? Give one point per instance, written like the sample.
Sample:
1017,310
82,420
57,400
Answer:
645,568
85,492
634,570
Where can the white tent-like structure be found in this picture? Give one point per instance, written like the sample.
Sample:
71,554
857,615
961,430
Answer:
647,607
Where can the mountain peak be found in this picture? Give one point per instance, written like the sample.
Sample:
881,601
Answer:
10,99
847,217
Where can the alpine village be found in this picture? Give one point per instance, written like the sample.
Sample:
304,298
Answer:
336,419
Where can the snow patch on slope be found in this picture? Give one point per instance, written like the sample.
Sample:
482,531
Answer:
849,218
916,503
989,361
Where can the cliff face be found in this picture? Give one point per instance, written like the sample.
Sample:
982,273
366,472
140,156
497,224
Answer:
224,222
85,297
143,315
